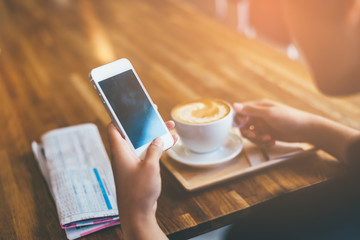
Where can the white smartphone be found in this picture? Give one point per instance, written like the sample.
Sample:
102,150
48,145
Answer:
129,105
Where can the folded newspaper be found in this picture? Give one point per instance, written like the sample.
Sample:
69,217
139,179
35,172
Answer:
78,173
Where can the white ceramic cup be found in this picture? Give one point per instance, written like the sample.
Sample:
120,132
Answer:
205,137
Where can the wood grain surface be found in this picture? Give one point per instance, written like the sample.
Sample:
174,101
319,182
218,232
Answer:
47,49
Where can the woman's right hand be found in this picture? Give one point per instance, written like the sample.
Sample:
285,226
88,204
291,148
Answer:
264,121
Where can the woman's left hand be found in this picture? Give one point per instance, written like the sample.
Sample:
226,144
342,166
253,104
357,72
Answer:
138,183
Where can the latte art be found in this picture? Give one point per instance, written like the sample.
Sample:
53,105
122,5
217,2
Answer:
199,112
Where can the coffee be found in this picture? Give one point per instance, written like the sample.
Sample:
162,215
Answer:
203,125
200,112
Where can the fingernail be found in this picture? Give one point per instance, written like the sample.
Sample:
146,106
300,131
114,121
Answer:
158,142
250,134
238,107
266,138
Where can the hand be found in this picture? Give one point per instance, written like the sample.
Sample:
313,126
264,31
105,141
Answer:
138,184
265,121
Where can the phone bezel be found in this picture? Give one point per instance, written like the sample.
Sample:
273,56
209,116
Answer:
114,68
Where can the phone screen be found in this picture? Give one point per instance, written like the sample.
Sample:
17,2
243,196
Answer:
133,109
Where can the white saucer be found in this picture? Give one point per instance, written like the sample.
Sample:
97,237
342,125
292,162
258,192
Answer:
230,149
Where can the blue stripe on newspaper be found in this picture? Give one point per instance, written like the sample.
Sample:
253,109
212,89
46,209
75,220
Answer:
102,189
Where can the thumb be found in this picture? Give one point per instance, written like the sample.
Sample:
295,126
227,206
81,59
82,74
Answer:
154,151
251,109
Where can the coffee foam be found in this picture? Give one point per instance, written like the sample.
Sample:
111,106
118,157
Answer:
199,112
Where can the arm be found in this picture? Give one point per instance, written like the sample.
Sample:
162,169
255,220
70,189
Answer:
267,121
332,137
138,186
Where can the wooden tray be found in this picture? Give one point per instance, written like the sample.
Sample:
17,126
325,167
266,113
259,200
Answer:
249,160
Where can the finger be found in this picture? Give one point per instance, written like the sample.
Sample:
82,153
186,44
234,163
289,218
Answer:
264,140
154,208
256,137
257,125
248,133
120,149
265,103
114,136
170,124
251,109
260,143
154,152
176,138
267,144
241,120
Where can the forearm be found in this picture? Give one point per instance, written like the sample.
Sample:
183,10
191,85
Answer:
331,136
142,228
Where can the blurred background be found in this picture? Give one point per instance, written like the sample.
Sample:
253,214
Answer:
262,19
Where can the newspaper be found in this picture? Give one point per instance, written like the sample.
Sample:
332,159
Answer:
78,173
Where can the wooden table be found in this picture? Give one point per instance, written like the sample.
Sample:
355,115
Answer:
47,49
